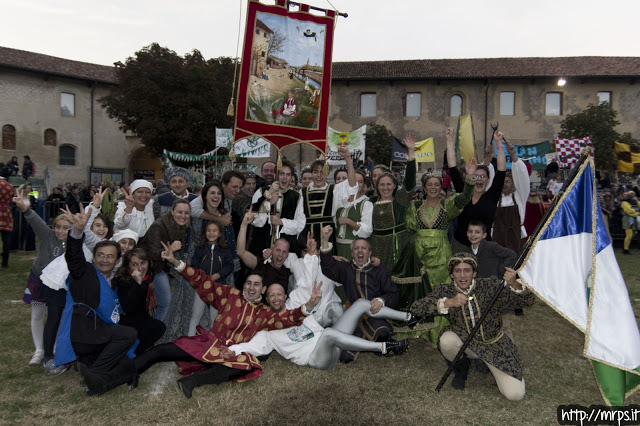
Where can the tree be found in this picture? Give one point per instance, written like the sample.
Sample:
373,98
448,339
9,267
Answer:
276,43
172,102
378,143
599,122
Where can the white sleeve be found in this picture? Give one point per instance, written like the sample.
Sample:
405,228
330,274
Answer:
366,221
259,345
296,266
522,183
296,225
492,174
261,218
197,207
121,219
341,194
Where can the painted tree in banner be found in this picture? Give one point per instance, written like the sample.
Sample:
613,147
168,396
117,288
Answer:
276,43
170,101
599,122
378,143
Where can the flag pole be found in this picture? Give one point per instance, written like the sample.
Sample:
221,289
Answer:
583,157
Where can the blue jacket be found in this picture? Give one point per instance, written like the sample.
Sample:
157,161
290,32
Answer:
213,261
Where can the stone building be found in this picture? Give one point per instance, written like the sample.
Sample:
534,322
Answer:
49,110
522,94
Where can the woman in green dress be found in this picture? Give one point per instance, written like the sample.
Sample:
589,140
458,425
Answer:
390,210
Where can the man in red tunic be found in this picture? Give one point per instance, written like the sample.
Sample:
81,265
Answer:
240,316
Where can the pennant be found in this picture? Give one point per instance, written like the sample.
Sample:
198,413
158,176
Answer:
354,140
285,79
569,150
572,267
628,158
465,139
424,151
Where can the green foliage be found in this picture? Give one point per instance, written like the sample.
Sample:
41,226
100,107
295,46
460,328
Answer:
599,122
172,102
378,142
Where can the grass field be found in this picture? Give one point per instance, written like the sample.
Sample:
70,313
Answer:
370,391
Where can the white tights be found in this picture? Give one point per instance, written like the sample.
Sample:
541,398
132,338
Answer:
38,311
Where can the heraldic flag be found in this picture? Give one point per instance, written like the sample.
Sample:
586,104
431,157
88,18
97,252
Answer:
572,268
628,157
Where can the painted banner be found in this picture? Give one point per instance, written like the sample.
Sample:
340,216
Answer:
285,79
424,151
251,147
354,140
536,154
569,150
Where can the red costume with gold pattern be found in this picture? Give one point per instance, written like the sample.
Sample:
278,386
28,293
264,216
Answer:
238,321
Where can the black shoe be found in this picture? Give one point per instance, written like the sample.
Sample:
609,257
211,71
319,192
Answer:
94,383
186,385
626,252
413,321
519,312
460,372
396,348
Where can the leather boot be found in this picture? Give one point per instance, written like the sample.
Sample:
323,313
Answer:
215,375
460,372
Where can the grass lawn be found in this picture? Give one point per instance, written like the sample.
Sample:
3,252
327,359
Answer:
370,391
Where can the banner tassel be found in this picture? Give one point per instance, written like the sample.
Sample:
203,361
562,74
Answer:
279,163
230,109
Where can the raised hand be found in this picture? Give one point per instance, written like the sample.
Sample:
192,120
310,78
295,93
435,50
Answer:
176,245
19,202
410,141
248,217
498,136
470,167
343,151
167,254
266,253
511,149
97,198
312,245
375,261
316,295
451,137
326,234
129,202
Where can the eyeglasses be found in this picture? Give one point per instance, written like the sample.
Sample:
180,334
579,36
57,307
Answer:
479,176
105,256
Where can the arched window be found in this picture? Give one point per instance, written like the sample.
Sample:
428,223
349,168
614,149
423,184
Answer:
8,137
50,137
67,155
456,106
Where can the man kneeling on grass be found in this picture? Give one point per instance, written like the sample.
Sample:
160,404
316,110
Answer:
461,302
310,344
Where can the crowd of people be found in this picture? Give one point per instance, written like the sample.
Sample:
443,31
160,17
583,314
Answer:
127,276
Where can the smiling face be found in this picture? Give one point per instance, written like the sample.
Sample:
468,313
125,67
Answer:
269,172
105,259
212,233
249,187
432,188
482,178
360,252
126,244
141,197
99,228
475,234
307,178
507,188
463,274
232,189
181,213
279,253
276,297
253,288
386,185
178,185
319,178
213,197
61,229
284,177
137,264
341,176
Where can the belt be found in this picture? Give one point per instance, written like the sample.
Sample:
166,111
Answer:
389,231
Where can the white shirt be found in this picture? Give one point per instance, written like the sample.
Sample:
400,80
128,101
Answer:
522,184
366,219
289,226
138,221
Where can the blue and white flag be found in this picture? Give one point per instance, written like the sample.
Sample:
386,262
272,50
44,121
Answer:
572,267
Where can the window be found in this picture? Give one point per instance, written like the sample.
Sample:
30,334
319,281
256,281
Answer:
50,137
456,106
604,97
553,105
67,155
8,137
414,101
507,103
257,31
368,105
68,104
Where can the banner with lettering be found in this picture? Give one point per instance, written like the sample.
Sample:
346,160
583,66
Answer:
536,154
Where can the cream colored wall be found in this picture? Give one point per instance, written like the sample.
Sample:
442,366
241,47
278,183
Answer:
529,125
32,104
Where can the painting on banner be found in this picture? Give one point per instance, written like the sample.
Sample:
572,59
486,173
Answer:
285,80
569,150
354,140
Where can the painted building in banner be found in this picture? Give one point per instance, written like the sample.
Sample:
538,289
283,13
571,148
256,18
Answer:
523,95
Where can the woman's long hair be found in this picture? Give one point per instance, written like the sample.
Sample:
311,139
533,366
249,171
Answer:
222,241
140,253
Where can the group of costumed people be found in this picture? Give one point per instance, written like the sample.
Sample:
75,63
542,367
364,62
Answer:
217,281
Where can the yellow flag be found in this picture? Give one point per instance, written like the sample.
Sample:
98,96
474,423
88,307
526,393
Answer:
628,157
424,151
466,139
